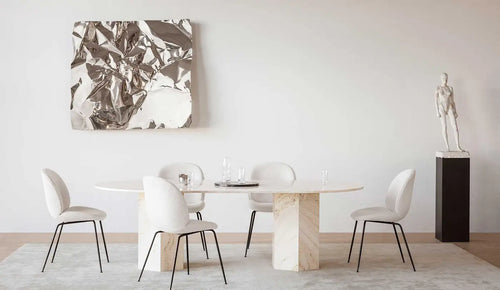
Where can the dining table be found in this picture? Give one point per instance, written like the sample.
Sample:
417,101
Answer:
295,244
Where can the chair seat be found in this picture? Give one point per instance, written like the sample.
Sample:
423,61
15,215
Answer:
196,206
80,213
260,206
195,226
375,214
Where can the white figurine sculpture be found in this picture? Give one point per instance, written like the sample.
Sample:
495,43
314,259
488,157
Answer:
445,106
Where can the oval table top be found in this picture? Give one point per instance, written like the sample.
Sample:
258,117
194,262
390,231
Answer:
208,186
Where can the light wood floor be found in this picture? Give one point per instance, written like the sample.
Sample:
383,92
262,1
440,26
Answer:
483,245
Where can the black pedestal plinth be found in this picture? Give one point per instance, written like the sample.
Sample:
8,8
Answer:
452,199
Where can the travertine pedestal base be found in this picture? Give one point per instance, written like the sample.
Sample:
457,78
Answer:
163,251
296,231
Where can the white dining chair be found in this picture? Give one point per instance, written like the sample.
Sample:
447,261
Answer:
58,202
397,205
269,173
195,201
168,212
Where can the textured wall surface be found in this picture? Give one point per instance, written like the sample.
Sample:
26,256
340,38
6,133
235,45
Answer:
340,85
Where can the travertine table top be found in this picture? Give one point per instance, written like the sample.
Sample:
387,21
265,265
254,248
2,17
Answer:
207,186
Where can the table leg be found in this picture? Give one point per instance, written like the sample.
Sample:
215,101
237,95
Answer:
163,251
296,231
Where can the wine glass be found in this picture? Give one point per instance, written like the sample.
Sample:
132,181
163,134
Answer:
324,177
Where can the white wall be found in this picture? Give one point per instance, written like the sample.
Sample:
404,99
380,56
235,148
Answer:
342,85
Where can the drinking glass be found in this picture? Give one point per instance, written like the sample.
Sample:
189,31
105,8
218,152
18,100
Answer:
241,175
226,169
189,181
324,177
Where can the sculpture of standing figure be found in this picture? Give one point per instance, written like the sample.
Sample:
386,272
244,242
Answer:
445,107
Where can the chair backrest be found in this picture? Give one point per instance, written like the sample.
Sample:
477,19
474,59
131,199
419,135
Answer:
165,205
56,193
171,173
271,173
398,198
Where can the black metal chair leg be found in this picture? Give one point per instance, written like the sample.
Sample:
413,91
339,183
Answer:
205,243
57,243
203,238
250,229
352,241
361,246
147,256
248,235
187,253
175,262
97,243
220,258
104,241
50,248
399,245
198,217
407,248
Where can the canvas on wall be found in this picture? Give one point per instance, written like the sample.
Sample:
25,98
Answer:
131,75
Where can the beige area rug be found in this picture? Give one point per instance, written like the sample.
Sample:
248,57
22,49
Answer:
439,266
